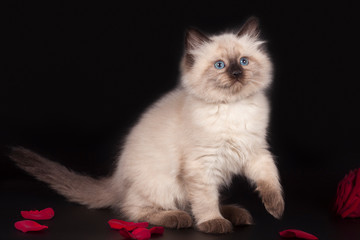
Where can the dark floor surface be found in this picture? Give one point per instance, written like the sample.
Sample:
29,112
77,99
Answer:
307,209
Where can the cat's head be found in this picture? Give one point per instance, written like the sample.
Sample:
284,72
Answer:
227,67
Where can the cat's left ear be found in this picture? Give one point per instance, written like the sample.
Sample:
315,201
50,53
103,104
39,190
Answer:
251,28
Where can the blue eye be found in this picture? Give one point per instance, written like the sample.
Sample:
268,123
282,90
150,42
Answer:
219,65
244,61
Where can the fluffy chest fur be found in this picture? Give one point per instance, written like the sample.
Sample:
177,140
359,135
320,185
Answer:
222,137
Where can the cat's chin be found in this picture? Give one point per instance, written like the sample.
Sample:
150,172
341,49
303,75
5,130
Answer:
232,92
226,95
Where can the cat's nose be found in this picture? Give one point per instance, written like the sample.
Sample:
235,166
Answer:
236,73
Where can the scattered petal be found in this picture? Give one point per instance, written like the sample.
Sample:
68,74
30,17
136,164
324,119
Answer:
129,226
134,230
294,233
45,214
125,233
28,225
138,233
142,233
156,230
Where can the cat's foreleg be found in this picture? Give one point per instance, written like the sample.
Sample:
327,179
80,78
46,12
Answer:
261,170
204,199
236,215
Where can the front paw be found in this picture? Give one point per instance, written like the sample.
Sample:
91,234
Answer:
218,225
236,215
273,202
272,198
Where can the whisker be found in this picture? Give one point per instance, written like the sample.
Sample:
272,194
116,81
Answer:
255,81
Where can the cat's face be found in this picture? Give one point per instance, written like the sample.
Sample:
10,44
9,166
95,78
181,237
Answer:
226,67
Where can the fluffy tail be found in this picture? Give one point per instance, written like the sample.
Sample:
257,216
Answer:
94,193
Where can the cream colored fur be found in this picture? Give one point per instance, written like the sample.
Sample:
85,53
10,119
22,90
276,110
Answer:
193,140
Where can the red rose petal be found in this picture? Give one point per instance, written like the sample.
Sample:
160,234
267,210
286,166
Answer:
156,230
142,233
119,224
354,182
129,226
294,233
353,209
125,233
348,185
28,225
45,214
139,230
339,196
350,197
347,202
355,213
138,233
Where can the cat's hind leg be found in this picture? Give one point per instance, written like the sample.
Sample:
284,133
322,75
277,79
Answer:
155,216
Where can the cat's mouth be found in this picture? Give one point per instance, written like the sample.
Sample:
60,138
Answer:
233,84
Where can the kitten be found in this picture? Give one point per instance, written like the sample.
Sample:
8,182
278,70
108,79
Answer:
190,143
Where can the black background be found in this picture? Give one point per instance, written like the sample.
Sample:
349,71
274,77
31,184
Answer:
77,76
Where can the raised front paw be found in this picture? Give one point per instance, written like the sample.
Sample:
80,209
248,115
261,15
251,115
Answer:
217,225
272,199
273,202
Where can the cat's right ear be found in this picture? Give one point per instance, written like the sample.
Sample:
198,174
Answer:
194,39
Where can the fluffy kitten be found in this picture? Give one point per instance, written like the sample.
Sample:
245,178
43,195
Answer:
190,143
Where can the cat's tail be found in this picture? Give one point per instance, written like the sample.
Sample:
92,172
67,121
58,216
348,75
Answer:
94,193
